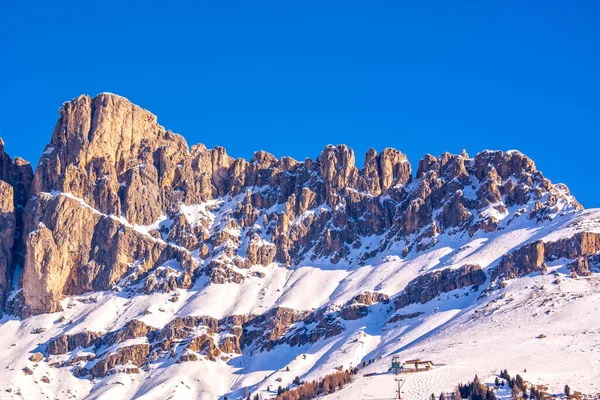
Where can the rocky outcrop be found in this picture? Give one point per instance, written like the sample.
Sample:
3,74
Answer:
582,244
15,180
194,337
368,298
204,344
268,329
65,343
131,330
113,155
584,266
36,357
428,286
582,247
8,224
73,249
358,307
527,259
18,174
135,354
402,317
319,325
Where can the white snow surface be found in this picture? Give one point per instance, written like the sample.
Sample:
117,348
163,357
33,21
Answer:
462,332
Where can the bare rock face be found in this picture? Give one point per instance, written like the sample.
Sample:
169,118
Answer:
428,286
337,166
582,244
36,357
394,169
8,223
368,298
135,354
15,180
65,343
583,248
192,337
527,259
204,344
401,317
583,266
113,155
118,200
358,307
17,173
73,249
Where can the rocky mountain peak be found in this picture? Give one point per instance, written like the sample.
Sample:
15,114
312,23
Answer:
136,197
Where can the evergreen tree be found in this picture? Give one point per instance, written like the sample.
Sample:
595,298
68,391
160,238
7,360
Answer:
327,385
514,392
456,394
520,383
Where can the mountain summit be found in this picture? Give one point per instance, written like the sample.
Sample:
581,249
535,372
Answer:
130,258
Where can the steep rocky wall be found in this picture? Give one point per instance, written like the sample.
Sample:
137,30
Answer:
15,180
8,223
17,173
72,249
533,256
525,260
428,286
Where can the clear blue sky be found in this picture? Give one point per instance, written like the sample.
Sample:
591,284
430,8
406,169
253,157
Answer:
291,77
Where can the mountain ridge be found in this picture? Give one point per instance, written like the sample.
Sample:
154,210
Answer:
121,210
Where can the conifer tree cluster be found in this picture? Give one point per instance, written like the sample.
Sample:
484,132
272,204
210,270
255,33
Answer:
520,389
310,390
518,386
475,390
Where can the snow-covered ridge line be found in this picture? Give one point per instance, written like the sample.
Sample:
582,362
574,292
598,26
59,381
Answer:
143,230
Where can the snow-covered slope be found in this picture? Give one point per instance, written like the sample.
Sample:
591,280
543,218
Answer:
464,332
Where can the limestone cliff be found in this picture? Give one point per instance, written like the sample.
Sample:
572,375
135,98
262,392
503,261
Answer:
117,199
15,180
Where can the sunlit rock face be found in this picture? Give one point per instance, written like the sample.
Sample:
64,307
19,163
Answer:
152,254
